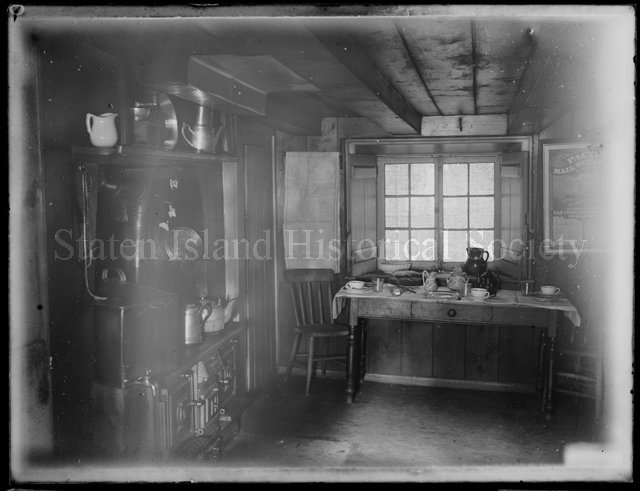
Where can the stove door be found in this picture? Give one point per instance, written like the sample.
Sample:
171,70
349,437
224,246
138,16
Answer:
181,417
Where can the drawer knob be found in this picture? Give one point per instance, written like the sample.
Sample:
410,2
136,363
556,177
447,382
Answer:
451,312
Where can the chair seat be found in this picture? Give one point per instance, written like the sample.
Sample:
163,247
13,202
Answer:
326,330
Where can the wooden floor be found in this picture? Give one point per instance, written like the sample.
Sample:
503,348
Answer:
397,426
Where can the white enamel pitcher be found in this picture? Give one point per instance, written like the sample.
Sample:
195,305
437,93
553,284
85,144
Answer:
102,129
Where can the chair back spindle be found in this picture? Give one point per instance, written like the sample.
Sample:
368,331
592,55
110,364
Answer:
311,293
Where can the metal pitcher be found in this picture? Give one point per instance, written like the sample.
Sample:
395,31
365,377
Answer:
194,318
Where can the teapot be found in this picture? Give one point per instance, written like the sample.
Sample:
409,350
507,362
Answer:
476,262
456,280
102,129
221,313
195,317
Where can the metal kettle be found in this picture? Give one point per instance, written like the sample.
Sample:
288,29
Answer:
194,318
476,262
201,136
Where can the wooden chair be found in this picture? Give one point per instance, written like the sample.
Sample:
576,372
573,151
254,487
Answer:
312,295
580,367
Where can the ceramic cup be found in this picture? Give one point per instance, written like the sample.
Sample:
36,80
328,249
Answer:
479,293
356,285
549,290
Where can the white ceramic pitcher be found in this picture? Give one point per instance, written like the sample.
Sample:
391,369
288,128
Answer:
102,129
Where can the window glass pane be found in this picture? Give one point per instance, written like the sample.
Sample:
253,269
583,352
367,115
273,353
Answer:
422,179
481,212
455,212
396,245
423,245
454,179
423,212
454,245
396,212
482,238
396,179
481,178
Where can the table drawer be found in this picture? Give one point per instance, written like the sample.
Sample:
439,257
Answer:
450,312
520,317
384,309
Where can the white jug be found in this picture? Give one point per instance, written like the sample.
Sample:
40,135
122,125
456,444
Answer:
102,129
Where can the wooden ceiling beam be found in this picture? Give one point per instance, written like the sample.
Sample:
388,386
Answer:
468,125
416,67
347,51
292,44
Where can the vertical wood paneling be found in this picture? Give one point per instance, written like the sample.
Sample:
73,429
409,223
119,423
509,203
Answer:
417,349
482,353
449,351
517,354
384,347
260,280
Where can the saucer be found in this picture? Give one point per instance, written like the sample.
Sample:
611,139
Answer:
365,290
481,299
546,294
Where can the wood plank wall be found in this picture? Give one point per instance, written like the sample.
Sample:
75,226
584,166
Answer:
499,354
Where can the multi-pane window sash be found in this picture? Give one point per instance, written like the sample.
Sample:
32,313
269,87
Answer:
436,207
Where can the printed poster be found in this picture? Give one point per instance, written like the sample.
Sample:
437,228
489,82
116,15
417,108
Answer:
573,189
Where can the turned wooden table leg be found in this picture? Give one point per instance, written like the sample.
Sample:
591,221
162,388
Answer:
549,399
363,348
549,402
351,363
540,365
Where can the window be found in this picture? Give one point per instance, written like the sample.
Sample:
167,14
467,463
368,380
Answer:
435,207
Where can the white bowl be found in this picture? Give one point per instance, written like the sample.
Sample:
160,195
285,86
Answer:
393,267
355,285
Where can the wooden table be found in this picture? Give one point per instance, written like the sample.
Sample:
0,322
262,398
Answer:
507,308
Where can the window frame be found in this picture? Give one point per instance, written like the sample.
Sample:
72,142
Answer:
439,160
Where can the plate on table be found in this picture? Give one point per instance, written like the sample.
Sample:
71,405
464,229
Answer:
359,291
546,295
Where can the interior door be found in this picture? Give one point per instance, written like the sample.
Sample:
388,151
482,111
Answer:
259,274
362,248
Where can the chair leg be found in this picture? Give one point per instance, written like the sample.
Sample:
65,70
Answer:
310,362
292,356
325,342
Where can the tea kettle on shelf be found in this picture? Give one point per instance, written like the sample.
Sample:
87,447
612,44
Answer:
201,135
221,313
476,262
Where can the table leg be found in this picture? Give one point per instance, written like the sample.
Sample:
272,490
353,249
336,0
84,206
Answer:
549,402
351,363
363,349
540,365
549,396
